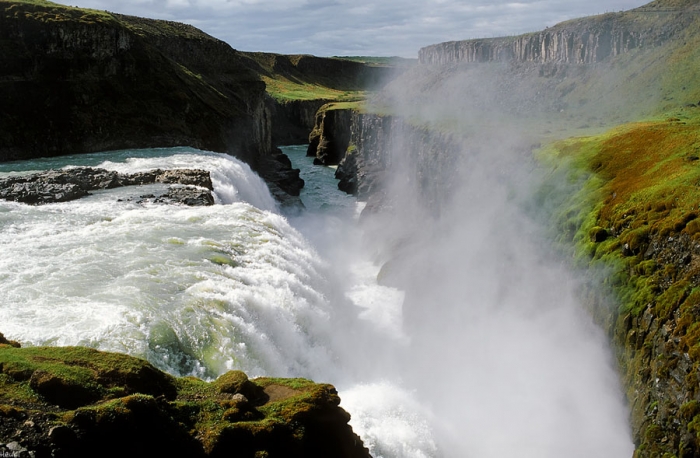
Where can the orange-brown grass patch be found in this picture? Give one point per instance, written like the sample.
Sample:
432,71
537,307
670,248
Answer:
651,171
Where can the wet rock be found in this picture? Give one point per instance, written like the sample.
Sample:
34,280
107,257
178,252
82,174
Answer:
237,382
12,343
598,234
191,196
70,184
62,436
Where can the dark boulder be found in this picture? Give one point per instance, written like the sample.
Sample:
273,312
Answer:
70,184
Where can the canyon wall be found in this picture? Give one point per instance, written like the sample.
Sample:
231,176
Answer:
575,77
381,147
330,137
78,81
580,41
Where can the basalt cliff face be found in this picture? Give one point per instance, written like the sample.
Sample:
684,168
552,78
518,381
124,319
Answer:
381,147
580,41
78,81
330,137
293,111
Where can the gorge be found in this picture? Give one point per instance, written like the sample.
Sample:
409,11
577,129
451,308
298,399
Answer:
497,291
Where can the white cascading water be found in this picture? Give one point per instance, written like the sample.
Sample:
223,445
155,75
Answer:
199,291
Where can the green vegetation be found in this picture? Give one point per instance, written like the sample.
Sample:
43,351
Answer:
638,185
283,90
46,11
626,203
304,77
105,398
392,61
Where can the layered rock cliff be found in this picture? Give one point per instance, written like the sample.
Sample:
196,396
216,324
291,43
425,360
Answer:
581,41
330,137
299,85
383,147
77,81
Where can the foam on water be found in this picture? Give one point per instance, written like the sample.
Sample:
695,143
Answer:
239,286
202,290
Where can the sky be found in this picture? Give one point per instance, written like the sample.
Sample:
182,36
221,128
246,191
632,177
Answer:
358,27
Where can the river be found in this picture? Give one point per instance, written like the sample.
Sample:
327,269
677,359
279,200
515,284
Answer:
240,285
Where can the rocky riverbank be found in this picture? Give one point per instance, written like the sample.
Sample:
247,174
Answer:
108,82
195,186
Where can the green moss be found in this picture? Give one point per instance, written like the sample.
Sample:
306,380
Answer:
106,397
285,90
45,11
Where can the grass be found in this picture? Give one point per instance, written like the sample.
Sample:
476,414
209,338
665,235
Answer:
46,11
627,204
638,183
108,396
285,90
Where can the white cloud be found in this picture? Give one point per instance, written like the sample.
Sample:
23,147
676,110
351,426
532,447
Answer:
343,27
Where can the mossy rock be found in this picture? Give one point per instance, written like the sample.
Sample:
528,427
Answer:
81,402
598,234
11,343
233,382
70,377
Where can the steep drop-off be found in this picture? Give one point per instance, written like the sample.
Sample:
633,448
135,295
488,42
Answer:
77,81
580,41
299,85
330,137
79,402
631,215
629,204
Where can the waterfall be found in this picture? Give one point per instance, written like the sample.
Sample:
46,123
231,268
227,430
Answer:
482,353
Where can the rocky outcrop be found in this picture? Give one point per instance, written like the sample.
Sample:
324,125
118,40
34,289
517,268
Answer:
384,146
330,137
79,81
581,41
71,184
309,82
79,402
336,73
292,120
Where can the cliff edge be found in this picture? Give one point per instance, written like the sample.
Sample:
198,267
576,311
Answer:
76,81
79,402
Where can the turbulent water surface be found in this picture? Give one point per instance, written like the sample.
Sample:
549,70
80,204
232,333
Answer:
238,285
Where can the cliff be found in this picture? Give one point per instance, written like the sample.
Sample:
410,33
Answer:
78,81
581,41
80,402
299,85
330,137
633,223
381,147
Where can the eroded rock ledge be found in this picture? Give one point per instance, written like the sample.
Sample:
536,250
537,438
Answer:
80,402
71,184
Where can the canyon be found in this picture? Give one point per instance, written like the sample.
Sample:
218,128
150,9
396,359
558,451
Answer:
112,82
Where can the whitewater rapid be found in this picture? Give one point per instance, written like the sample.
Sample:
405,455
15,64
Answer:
203,290
492,362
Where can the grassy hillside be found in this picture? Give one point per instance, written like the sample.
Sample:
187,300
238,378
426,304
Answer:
628,202
304,77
